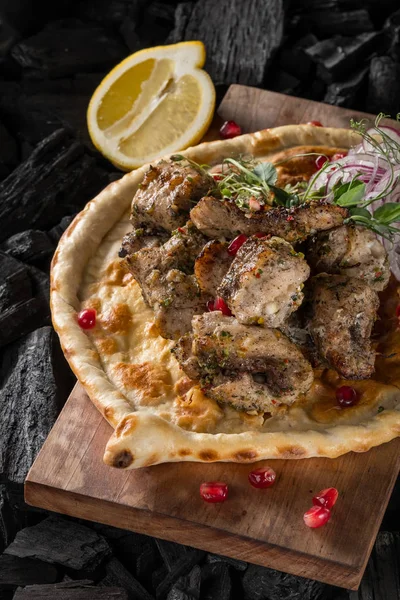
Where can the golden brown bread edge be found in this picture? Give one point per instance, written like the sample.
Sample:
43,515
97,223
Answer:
141,439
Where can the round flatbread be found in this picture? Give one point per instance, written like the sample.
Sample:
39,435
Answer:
132,377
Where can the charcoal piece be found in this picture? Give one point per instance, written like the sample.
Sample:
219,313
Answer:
157,23
56,232
239,565
57,179
326,23
62,49
187,587
70,590
382,576
8,146
7,524
392,33
24,302
343,93
337,56
35,381
30,246
384,86
260,583
182,567
4,171
216,582
146,564
233,55
61,541
35,109
129,34
117,575
16,571
109,11
284,83
8,37
171,553
294,60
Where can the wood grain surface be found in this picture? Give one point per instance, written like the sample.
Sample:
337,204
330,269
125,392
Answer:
260,526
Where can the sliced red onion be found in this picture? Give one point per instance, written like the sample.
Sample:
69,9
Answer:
379,187
391,132
371,166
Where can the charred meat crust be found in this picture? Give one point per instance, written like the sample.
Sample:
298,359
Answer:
167,194
351,251
225,354
211,266
263,285
221,218
343,313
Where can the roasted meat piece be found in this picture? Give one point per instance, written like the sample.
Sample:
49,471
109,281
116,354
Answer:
166,195
264,282
212,265
250,367
351,251
343,313
222,218
165,275
150,266
141,238
181,301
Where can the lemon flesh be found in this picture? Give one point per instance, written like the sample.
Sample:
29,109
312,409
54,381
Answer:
155,102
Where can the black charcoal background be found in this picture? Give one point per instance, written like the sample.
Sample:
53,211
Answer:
52,57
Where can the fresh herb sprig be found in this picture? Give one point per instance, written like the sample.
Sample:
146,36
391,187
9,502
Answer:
242,180
352,195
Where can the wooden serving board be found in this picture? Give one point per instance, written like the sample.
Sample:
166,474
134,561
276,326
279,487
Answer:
260,526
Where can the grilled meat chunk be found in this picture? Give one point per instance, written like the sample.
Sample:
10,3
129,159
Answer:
222,218
141,238
181,301
184,355
351,251
165,275
150,266
166,195
250,367
212,265
343,313
263,284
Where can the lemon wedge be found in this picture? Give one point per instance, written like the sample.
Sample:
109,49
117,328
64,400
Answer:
155,102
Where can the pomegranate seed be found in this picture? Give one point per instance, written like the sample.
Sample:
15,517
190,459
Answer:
260,235
320,161
290,218
346,396
263,477
317,516
214,491
236,244
87,318
326,497
315,123
220,304
398,311
229,130
339,155
217,177
254,204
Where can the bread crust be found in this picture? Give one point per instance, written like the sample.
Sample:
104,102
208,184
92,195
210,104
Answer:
133,379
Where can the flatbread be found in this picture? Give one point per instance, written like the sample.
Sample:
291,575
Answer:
131,376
